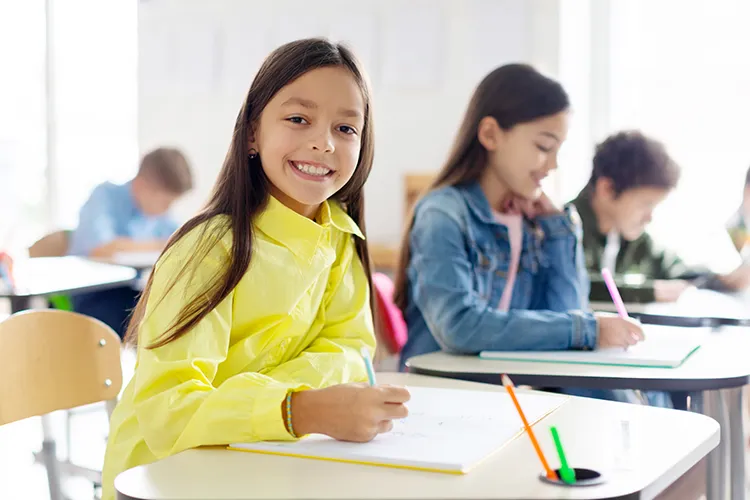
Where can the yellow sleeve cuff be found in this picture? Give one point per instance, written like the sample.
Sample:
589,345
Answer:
267,419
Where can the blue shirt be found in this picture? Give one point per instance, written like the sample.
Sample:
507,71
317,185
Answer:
460,257
111,213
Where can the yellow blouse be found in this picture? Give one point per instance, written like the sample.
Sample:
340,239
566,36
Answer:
296,320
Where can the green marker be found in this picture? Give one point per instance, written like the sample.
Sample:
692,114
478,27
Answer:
567,474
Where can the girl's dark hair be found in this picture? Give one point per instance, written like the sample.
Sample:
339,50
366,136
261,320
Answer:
511,94
241,191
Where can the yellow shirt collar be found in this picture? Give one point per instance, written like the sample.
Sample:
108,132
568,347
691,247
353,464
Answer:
334,214
300,234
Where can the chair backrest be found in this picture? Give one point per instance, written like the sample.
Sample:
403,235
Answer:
53,245
415,186
385,257
54,360
392,321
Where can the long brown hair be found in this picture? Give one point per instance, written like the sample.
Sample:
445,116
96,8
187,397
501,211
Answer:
511,94
241,191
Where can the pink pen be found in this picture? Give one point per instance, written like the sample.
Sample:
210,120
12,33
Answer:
614,293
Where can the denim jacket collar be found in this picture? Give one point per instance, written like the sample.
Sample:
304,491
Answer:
478,203
480,207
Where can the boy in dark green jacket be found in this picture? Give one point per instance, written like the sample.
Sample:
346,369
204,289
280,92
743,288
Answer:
631,175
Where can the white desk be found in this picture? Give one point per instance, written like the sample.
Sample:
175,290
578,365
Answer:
696,307
660,454
717,371
45,276
142,261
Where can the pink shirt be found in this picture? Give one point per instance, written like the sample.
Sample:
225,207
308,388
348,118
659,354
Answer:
514,223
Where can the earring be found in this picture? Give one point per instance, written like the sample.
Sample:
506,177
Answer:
252,154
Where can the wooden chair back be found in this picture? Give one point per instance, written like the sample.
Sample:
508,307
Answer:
414,186
54,360
53,245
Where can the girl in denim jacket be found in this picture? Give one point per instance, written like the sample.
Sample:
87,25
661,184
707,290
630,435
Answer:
488,262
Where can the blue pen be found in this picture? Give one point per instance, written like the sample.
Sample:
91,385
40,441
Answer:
368,364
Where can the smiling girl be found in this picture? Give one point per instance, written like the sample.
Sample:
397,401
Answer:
252,323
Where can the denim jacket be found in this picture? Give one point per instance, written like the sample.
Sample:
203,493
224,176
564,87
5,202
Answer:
458,269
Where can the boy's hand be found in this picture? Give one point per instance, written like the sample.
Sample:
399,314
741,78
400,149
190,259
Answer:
738,279
669,290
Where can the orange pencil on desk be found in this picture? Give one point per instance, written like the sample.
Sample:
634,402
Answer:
509,387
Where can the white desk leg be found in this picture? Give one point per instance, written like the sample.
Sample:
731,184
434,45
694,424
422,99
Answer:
716,464
697,404
49,458
110,405
736,443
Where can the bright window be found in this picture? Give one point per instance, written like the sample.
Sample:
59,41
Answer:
23,147
681,72
95,78
93,129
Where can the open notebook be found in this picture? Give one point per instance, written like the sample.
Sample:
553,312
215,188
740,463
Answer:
664,347
447,430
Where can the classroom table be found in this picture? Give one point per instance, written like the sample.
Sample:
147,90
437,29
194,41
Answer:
656,455
695,307
141,261
713,375
44,276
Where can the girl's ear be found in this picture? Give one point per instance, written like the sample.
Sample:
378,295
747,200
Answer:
251,142
489,133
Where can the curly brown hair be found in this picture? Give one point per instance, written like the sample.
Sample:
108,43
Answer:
630,160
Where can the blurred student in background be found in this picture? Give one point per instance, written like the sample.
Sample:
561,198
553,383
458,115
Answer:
632,174
132,217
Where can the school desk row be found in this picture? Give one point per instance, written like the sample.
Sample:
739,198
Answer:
713,376
659,447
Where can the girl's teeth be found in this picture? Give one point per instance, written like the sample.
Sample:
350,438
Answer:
311,169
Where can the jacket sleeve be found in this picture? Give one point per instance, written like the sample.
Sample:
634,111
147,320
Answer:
441,277
177,402
567,282
179,405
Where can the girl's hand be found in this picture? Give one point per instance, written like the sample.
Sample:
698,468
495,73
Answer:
534,208
615,331
348,412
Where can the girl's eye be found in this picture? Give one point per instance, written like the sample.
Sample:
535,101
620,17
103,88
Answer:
297,119
347,129
543,149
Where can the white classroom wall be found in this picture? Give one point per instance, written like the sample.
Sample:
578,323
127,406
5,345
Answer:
424,57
